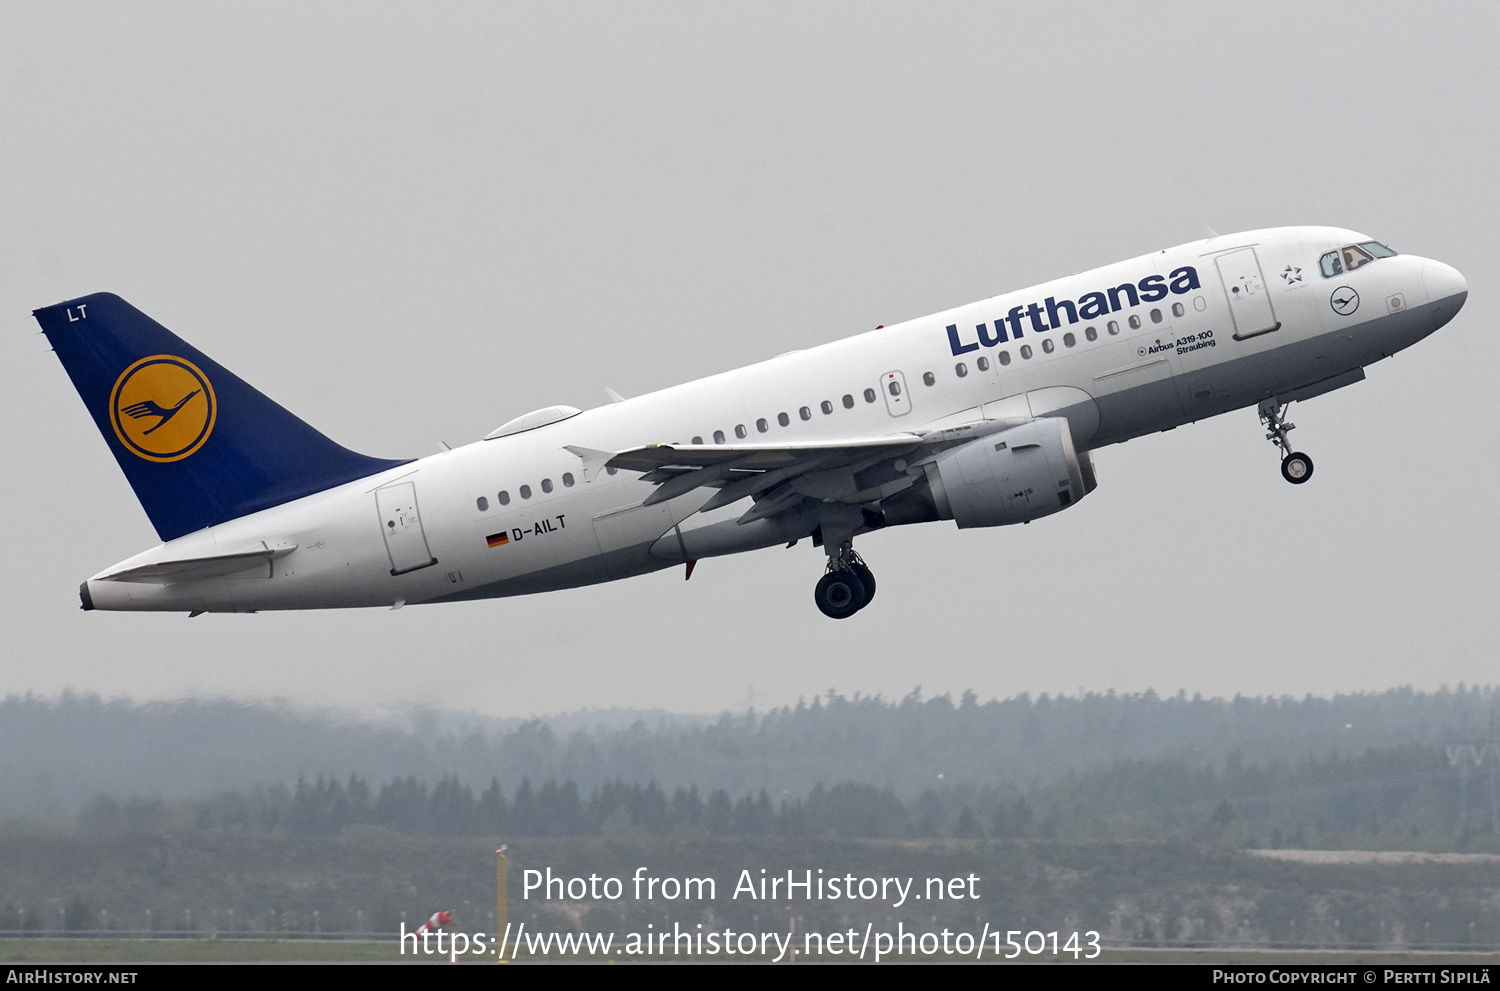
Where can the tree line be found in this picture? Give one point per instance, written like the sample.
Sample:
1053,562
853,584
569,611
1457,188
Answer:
66,750
1408,797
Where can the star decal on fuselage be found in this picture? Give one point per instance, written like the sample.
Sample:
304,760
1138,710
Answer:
1292,274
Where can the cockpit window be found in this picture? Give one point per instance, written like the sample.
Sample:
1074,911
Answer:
1355,256
1352,256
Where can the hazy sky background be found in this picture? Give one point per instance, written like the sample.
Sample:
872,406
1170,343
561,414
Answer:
409,224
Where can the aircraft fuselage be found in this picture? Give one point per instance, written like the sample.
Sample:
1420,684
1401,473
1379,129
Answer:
1132,348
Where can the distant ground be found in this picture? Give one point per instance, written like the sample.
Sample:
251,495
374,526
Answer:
1377,857
1165,895
194,951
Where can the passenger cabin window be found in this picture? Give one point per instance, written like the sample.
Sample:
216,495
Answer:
1069,340
697,440
982,363
762,425
482,504
525,492
1155,315
929,379
826,407
740,431
1177,311
504,498
718,436
893,387
1004,357
1048,346
546,485
959,369
805,413
1090,334
567,479
1114,326
783,419
1026,351
869,395
848,401
1135,322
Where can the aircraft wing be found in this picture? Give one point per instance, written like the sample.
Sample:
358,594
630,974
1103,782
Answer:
779,476
740,470
753,456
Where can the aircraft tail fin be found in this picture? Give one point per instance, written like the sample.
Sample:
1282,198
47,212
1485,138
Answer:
198,444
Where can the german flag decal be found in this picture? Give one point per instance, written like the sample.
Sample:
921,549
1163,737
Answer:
498,539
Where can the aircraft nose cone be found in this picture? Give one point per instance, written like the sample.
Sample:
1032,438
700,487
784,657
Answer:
1443,281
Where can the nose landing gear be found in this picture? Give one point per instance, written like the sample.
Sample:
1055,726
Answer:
1296,467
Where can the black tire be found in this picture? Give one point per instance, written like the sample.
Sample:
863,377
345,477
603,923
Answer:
840,594
1296,467
867,579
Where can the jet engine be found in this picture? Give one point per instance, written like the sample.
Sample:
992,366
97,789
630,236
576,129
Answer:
1014,476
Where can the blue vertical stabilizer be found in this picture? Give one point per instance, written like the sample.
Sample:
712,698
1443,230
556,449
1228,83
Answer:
197,443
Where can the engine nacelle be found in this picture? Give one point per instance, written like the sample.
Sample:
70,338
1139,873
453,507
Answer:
1013,476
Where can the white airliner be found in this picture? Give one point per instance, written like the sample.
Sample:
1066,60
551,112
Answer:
983,415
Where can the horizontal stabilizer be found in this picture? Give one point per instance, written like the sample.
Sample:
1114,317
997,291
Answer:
213,566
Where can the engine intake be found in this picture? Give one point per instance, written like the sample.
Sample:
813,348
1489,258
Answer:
1013,476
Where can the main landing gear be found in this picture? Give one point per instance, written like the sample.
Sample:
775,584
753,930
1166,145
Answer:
847,587
1296,467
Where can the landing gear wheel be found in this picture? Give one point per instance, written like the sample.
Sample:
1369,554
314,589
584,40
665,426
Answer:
1296,468
840,594
866,578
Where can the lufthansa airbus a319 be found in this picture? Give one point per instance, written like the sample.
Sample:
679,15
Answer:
984,415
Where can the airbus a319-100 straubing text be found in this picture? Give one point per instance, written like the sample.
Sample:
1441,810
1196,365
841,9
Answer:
984,415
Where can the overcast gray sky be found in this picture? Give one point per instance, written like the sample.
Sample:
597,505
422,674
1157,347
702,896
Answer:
409,223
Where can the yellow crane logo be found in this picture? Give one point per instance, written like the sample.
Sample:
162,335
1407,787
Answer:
162,408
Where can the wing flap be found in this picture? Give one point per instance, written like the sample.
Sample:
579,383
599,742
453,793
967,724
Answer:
758,456
749,469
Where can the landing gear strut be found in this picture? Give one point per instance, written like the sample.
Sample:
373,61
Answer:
1296,467
847,587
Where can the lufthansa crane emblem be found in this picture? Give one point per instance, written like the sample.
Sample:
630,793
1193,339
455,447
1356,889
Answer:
162,408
